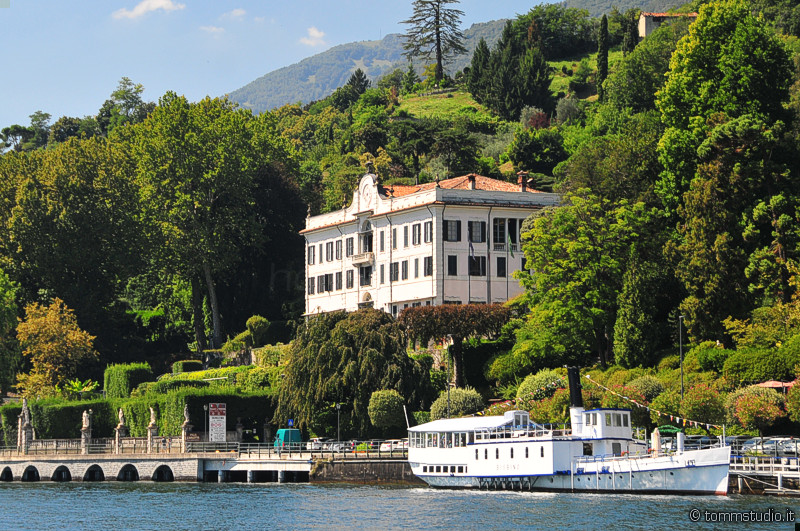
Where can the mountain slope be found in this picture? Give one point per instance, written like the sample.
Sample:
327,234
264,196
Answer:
315,77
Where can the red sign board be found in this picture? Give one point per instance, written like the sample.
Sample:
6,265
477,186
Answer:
216,410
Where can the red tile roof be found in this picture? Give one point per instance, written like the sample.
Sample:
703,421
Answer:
456,183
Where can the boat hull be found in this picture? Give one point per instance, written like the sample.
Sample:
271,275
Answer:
703,472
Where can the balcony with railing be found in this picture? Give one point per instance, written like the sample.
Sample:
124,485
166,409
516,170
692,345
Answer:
362,259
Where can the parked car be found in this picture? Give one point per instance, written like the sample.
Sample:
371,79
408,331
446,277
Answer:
318,443
736,442
789,447
393,445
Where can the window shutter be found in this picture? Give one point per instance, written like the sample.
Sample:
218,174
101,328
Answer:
458,230
483,231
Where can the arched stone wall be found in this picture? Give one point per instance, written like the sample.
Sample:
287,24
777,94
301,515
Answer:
128,473
31,473
62,473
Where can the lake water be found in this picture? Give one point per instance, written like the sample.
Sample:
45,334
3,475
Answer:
146,505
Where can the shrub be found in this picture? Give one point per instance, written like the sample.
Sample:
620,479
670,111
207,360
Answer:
541,385
623,377
759,411
762,393
704,404
669,362
258,327
256,379
463,401
668,403
186,366
240,342
753,366
649,387
793,403
386,410
790,351
710,356
421,417
162,387
271,355
120,380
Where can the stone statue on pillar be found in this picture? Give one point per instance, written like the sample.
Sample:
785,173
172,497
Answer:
86,431
185,429
24,428
121,431
152,430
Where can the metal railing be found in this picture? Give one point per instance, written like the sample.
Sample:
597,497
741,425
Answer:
172,445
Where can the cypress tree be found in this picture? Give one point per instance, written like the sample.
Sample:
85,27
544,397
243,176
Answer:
602,57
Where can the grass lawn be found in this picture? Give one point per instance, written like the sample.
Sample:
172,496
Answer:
439,104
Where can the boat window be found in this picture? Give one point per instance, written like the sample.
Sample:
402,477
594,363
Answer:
497,453
617,419
625,419
486,453
588,419
476,454
438,468
512,453
526,452
460,469
424,468
542,451
471,438
587,448
452,469
608,419
594,419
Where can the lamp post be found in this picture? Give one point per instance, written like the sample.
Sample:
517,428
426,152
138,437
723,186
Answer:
338,433
680,343
205,419
449,385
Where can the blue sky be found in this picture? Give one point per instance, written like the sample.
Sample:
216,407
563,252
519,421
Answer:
65,57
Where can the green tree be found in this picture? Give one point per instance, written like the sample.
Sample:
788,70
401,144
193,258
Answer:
602,57
759,411
410,79
461,402
730,63
343,358
578,254
56,347
10,357
434,33
479,72
537,150
459,322
640,75
196,165
386,411
73,229
358,81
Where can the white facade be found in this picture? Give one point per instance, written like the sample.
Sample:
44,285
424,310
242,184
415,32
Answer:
455,241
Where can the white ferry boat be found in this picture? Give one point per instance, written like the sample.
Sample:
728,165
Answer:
599,454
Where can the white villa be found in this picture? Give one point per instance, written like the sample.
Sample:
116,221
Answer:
450,242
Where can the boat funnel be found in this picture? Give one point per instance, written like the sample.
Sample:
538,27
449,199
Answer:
575,396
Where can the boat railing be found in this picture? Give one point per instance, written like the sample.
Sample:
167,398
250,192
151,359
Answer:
524,431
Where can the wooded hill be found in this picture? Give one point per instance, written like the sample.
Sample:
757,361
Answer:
318,76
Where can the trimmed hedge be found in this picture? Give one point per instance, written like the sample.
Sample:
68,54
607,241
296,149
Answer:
164,386
58,419
187,366
755,365
119,380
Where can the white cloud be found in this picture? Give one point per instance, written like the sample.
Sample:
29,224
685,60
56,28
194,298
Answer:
146,6
214,30
236,13
314,37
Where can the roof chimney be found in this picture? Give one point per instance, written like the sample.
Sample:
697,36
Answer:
471,178
522,181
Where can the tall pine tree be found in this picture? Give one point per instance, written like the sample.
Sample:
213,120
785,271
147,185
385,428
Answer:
434,33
